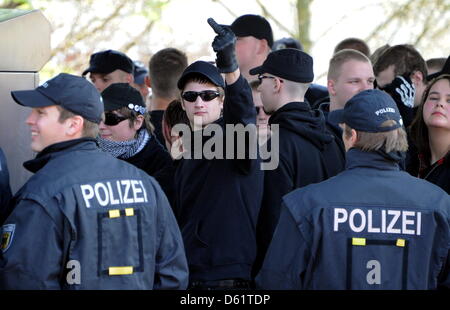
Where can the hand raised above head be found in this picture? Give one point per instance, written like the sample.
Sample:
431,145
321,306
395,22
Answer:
224,46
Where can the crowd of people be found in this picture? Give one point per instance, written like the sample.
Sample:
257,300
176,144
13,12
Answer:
235,174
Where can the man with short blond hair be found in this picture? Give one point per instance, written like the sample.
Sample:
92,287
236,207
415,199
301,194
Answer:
349,73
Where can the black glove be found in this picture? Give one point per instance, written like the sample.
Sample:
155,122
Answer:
402,90
224,46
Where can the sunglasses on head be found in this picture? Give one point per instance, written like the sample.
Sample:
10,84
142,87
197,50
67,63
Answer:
206,95
112,119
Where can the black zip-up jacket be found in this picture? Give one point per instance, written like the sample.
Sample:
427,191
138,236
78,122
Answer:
308,154
437,173
218,201
332,128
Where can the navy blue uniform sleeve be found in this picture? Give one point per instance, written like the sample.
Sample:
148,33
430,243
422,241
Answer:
444,277
286,258
171,270
32,252
5,189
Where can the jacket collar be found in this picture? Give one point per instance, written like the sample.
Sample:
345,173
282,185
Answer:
54,150
357,158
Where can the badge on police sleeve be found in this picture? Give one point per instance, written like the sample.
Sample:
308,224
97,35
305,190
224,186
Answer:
7,236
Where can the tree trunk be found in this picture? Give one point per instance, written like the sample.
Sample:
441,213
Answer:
304,22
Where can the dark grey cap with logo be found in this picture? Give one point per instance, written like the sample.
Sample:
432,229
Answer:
367,111
73,93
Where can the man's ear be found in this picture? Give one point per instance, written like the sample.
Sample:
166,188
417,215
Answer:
147,81
75,126
331,87
130,78
263,46
138,122
417,78
354,137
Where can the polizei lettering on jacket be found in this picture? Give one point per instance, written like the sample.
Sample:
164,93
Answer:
378,221
114,193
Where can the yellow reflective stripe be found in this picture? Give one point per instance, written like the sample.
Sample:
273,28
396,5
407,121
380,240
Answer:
117,271
401,242
359,241
114,213
129,211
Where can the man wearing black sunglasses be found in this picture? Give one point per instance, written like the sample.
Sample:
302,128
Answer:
218,198
308,152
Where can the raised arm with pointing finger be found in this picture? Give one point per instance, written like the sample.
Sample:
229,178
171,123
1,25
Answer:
224,45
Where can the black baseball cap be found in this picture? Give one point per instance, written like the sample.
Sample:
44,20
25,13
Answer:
445,70
204,68
367,111
73,93
120,95
108,61
288,63
253,25
140,72
287,43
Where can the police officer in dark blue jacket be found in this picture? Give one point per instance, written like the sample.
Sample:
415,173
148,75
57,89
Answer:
5,189
371,226
308,152
218,195
85,220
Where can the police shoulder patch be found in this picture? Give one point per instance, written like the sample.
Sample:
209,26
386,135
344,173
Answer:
7,236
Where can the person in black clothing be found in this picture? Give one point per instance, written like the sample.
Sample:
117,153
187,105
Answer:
308,153
5,188
430,132
401,71
218,198
126,134
166,67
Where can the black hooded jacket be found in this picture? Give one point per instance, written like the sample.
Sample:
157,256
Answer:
308,153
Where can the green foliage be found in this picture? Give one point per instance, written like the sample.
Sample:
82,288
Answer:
15,4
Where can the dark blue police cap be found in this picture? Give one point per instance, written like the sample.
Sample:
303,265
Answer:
120,95
288,63
108,61
140,72
73,93
203,68
367,111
